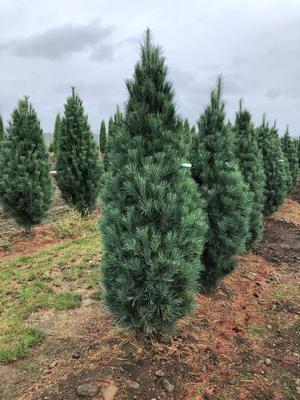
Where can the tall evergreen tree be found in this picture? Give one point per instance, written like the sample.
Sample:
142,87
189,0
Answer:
2,133
274,167
114,125
298,151
25,183
152,222
102,137
78,165
251,166
56,135
290,152
110,124
221,185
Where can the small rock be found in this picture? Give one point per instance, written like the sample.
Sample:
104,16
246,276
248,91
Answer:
298,389
110,392
231,381
267,361
159,373
269,326
204,368
53,364
167,385
134,385
297,381
76,354
87,390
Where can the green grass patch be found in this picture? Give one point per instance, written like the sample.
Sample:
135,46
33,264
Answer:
66,300
257,330
29,283
17,339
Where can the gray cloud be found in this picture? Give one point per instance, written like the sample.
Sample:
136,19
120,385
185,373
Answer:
62,41
44,52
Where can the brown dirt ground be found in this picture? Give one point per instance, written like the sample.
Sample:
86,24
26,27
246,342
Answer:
41,236
218,353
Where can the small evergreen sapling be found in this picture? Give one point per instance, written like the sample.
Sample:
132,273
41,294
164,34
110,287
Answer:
152,224
251,166
102,137
298,151
25,183
274,167
56,135
2,132
78,165
290,152
221,185
114,124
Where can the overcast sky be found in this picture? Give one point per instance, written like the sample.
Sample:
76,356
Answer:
48,46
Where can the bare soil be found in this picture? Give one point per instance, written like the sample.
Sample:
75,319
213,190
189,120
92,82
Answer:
242,342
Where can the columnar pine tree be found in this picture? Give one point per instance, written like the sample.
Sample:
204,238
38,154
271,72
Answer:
152,223
298,152
251,166
56,135
290,152
110,125
274,167
2,133
102,137
25,183
221,185
114,125
78,165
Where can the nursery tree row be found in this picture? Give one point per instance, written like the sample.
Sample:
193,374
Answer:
179,203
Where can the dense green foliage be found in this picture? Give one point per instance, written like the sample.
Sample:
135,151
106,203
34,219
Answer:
274,167
78,165
102,137
25,183
251,166
152,223
221,185
114,125
298,151
56,135
290,151
2,133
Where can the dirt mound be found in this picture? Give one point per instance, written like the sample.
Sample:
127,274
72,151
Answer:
280,243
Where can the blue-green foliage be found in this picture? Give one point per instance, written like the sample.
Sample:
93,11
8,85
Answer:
78,165
102,137
221,185
2,132
289,148
274,167
25,183
152,223
56,135
250,163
